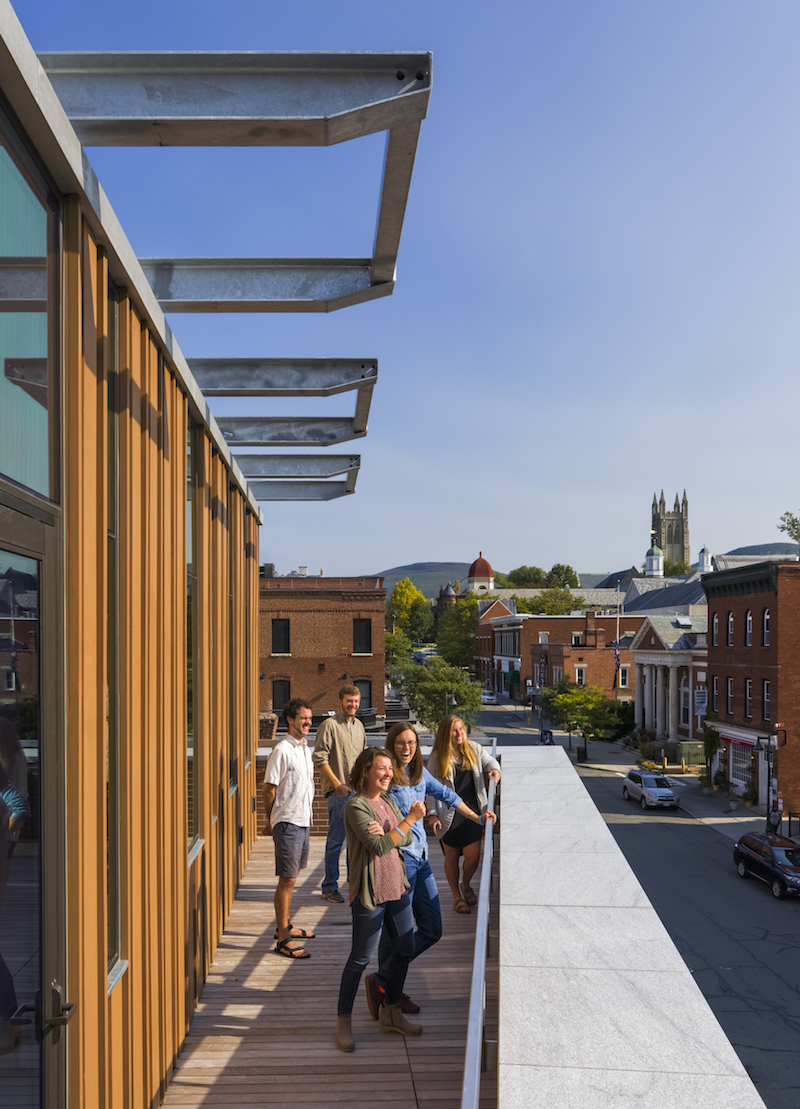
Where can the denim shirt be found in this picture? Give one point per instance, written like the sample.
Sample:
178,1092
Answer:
405,796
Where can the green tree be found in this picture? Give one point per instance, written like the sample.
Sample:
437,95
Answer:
527,577
501,580
403,596
419,624
455,635
581,708
398,653
790,525
425,687
672,569
551,602
563,576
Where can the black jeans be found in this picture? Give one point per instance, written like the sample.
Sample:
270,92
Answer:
397,920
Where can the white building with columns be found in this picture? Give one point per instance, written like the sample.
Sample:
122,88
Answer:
670,654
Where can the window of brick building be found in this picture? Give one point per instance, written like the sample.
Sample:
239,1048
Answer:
362,637
544,637
685,701
765,629
765,700
748,697
714,630
714,692
623,677
577,639
748,629
580,675
365,689
280,637
281,693
729,638
729,696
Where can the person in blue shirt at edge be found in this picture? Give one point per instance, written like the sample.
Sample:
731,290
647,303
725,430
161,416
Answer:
411,782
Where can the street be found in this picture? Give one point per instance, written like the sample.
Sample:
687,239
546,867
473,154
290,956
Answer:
742,946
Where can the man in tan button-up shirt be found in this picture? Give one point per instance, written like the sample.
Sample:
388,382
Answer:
340,740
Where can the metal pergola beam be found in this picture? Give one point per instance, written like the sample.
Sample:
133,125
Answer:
257,99
262,284
23,284
282,377
255,466
300,490
248,98
287,431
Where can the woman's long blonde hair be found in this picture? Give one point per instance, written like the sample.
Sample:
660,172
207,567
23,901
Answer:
412,775
443,748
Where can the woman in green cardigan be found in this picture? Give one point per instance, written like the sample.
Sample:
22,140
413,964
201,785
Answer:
379,891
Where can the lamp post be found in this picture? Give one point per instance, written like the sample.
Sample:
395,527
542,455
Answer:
449,697
773,818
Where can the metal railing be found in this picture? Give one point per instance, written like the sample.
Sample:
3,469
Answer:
474,1053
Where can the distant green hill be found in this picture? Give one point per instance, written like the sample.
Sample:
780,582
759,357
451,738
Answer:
427,576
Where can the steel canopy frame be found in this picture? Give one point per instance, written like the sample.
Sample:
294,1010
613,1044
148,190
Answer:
257,99
290,466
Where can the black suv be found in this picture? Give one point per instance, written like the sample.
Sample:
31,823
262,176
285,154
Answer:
773,859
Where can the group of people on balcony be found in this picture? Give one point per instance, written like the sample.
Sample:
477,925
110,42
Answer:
380,800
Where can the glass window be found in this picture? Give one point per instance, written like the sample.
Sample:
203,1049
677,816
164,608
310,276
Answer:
684,701
365,689
748,629
714,692
740,762
281,693
748,697
765,628
577,639
729,639
765,700
362,637
580,675
729,696
623,677
280,637
714,630
544,637
28,269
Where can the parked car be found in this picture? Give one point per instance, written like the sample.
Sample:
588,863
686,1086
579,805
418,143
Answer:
489,698
774,859
652,791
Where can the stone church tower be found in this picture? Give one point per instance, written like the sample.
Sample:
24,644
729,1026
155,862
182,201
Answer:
670,530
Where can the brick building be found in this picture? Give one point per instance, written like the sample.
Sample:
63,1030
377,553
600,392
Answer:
515,652
315,634
580,649
754,675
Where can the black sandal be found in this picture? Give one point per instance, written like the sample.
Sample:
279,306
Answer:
301,934
282,948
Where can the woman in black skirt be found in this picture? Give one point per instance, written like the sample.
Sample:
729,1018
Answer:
465,767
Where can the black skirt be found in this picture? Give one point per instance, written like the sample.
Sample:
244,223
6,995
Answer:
463,831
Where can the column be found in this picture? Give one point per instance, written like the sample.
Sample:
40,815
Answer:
638,697
649,702
691,701
674,690
660,673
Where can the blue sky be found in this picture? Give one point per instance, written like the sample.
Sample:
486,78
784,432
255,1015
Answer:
598,282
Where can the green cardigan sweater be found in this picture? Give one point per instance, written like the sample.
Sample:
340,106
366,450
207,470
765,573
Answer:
364,847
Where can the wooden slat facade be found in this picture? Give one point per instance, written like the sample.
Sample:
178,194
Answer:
122,1045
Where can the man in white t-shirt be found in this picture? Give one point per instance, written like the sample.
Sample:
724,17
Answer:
288,790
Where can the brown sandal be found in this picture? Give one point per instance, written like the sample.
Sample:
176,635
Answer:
460,906
470,896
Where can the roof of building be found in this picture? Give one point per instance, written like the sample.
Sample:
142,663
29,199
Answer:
733,562
668,596
448,591
765,550
655,552
673,631
480,568
485,603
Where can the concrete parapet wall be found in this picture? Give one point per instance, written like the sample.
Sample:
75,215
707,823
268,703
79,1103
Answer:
597,1008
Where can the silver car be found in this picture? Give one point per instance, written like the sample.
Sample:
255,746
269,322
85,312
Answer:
652,791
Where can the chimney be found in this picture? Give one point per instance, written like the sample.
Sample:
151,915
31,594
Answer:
322,571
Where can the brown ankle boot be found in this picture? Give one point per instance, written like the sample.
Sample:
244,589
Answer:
344,1035
392,1020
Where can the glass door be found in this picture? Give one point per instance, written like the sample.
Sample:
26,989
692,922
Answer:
33,1006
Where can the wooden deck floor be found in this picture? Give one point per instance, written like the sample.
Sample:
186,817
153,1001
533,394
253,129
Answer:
263,1033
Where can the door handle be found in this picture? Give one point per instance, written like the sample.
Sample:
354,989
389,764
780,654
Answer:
17,1017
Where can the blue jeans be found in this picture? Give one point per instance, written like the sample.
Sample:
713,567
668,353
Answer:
425,906
396,919
336,837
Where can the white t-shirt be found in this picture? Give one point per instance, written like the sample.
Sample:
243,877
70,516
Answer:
290,770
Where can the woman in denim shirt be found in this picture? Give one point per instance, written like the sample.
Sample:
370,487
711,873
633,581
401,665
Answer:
411,783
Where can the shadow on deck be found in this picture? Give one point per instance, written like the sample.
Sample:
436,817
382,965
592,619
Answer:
263,1032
